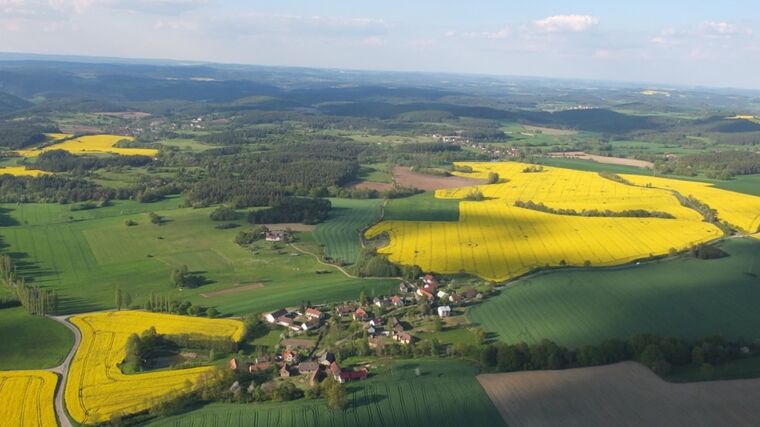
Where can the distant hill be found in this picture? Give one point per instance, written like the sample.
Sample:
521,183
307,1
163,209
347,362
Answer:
10,103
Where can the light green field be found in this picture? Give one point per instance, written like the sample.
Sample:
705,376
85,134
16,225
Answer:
86,255
685,297
446,394
31,342
375,172
340,233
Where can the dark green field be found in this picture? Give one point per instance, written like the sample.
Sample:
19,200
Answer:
592,166
422,207
685,297
86,255
31,342
340,233
446,394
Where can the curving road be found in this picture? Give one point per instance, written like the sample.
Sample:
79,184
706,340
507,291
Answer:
63,371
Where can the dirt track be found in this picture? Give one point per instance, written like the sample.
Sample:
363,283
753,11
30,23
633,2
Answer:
624,394
603,159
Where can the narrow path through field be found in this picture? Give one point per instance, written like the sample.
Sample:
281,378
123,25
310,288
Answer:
341,269
63,371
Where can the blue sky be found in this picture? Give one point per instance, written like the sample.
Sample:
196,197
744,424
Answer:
663,42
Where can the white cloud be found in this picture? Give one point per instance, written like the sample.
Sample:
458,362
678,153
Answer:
566,23
723,29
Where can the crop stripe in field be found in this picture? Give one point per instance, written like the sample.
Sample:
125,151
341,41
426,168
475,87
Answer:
39,400
22,411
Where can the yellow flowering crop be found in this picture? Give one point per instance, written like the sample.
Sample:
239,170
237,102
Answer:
497,241
97,389
26,398
737,209
90,144
21,171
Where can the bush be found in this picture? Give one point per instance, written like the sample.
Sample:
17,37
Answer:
223,213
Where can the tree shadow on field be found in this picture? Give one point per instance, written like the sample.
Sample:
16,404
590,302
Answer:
30,270
6,220
72,305
364,400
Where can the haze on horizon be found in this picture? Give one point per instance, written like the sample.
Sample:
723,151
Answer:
675,42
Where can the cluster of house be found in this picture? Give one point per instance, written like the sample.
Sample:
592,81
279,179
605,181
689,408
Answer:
276,236
428,288
296,321
288,365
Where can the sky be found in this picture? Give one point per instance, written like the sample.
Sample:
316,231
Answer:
659,42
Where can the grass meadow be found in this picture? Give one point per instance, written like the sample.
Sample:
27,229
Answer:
86,255
445,394
31,342
683,297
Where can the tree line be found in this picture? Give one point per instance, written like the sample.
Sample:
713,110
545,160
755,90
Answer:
627,213
35,300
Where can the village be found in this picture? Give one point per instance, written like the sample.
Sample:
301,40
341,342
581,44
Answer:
341,341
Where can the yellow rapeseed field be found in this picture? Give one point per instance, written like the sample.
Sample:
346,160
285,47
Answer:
739,210
21,171
497,241
97,389
26,398
90,144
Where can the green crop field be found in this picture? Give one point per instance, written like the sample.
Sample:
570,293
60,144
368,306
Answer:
749,184
592,166
340,233
31,342
422,207
684,297
86,255
445,394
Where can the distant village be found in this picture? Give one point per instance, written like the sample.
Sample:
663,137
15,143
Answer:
380,319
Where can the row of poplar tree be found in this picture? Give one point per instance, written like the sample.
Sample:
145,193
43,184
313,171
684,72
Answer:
34,299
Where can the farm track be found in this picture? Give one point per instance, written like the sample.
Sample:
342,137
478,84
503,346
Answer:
341,269
63,371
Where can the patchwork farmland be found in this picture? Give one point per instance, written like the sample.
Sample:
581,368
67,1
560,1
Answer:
497,240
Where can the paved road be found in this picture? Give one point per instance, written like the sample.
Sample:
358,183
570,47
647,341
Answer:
63,371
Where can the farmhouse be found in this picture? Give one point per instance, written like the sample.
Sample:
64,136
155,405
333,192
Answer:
397,301
289,357
273,316
314,313
360,314
310,324
403,338
444,311
305,368
276,236
351,375
381,302
259,367
344,310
